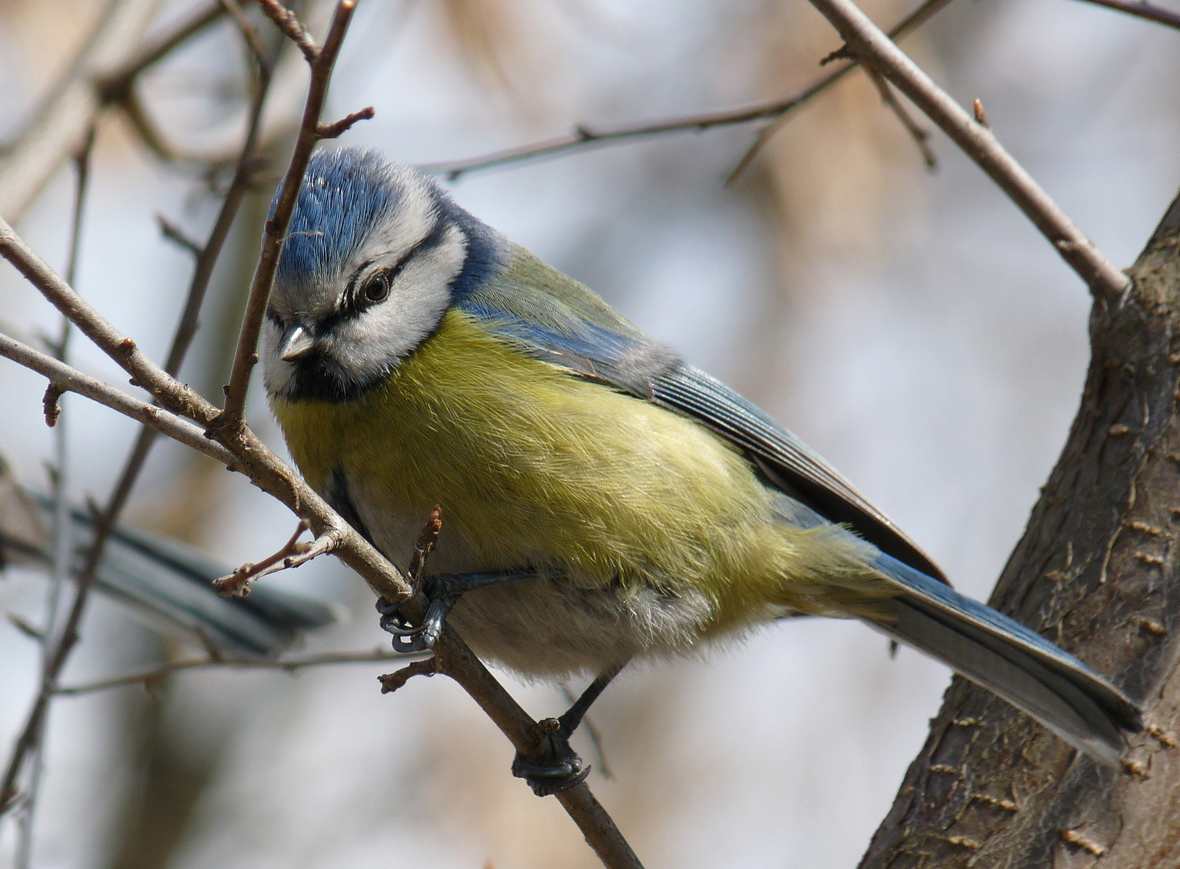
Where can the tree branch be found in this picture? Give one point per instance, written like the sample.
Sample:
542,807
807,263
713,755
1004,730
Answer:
68,379
1142,9
289,665
1098,571
775,110
322,61
63,120
867,41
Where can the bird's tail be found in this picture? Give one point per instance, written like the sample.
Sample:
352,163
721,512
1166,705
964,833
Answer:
998,653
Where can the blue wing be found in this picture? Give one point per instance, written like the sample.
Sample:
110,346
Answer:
556,319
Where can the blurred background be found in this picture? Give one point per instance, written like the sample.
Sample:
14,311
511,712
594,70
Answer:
912,326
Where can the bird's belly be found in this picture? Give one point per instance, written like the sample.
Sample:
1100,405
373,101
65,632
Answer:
549,626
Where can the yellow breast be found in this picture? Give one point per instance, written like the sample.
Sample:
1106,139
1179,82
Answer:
538,469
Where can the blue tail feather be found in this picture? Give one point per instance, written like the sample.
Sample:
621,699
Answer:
1017,664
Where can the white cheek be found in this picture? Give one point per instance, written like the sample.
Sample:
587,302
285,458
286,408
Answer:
276,374
376,341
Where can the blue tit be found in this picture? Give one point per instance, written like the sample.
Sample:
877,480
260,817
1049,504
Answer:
414,356
161,580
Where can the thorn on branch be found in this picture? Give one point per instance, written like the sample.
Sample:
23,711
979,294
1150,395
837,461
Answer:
1072,837
291,27
841,53
390,682
337,128
174,233
1163,737
51,403
1135,768
980,115
293,554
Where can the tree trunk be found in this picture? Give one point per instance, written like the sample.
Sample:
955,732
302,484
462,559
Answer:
1097,572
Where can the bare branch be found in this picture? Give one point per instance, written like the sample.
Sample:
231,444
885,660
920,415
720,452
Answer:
175,234
1105,281
293,28
67,379
293,554
585,136
251,36
919,135
1142,9
322,62
391,682
290,665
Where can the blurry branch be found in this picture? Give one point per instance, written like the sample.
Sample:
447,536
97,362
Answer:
872,46
919,135
60,126
116,85
62,538
1142,9
775,111
65,379
244,452
147,678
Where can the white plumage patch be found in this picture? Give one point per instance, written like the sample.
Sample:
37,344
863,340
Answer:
367,343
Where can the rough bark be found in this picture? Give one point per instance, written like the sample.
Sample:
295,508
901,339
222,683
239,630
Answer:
1097,571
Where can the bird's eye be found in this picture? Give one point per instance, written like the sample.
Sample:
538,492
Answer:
376,288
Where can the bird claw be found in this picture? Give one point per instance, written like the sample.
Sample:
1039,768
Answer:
443,592
556,768
409,638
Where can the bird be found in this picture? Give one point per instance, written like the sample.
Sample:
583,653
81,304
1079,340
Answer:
605,501
159,579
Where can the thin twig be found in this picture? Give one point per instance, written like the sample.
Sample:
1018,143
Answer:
1105,281
919,135
151,416
62,538
293,28
322,61
69,379
907,25
293,554
1142,9
391,682
178,236
586,136
289,665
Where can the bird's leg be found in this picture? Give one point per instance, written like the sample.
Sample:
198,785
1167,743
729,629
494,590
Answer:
554,766
442,592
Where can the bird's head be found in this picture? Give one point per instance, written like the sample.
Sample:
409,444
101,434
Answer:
375,254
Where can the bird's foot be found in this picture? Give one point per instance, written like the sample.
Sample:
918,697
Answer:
442,593
554,766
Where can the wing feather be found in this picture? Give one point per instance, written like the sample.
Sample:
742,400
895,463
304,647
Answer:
560,321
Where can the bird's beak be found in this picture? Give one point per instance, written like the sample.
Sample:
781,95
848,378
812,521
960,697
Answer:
296,342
